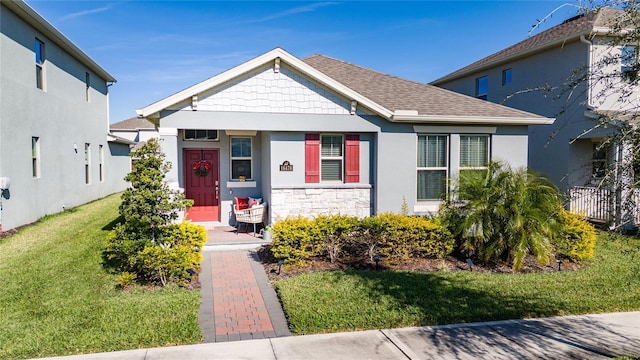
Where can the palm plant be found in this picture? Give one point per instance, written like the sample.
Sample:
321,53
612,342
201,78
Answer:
507,214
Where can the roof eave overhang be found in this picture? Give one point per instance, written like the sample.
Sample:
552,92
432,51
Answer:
475,120
34,19
152,112
518,55
117,139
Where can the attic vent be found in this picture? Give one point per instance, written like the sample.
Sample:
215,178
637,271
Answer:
276,66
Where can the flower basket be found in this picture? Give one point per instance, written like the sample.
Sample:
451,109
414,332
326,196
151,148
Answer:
202,167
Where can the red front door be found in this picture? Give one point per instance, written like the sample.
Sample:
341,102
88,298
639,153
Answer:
202,181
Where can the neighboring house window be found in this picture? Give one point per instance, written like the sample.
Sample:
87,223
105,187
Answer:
87,85
600,161
206,135
332,158
101,162
241,158
506,77
87,163
628,59
432,167
474,152
39,50
35,157
481,88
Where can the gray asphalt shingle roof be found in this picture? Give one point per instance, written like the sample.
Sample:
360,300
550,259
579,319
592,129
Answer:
395,93
134,123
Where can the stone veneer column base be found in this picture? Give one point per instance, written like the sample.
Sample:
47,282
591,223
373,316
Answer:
320,199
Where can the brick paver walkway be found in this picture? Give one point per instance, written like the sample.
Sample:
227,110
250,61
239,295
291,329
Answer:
238,302
238,306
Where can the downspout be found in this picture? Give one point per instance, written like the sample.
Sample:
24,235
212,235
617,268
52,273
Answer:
584,40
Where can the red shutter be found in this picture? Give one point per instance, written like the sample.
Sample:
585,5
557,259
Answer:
312,158
352,158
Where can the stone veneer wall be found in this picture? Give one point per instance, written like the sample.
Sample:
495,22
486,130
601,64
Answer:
314,200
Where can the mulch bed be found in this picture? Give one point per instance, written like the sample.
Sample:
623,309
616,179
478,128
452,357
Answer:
449,263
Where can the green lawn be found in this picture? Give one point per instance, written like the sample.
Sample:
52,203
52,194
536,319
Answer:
56,299
357,300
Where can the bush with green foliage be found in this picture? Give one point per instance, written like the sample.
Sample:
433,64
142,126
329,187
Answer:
146,243
504,214
393,237
577,238
295,239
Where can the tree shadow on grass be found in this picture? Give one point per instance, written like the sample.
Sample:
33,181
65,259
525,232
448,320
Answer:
443,299
112,224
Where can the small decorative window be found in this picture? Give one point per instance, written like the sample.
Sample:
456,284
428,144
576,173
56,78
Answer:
481,88
35,157
506,77
201,135
87,163
331,158
241,159
87,85
433,160
101,162
39,51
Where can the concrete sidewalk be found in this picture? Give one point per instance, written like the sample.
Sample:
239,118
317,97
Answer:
572,337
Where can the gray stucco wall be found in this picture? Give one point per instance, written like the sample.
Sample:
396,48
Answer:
538,84
62,119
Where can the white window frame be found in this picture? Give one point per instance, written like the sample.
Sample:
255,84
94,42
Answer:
40,82
185,138
434,168
35,157
333,158
232,158
484,167
101,162
87,163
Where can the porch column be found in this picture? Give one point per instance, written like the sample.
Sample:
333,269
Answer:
169,146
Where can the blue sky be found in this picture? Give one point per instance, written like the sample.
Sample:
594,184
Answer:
156,48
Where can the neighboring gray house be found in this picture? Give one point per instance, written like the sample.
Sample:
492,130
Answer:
320,136
55,148
135,129
531,75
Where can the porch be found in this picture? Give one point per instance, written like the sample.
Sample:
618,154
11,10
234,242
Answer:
602,206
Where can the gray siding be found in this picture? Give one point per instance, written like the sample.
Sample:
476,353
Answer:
63,120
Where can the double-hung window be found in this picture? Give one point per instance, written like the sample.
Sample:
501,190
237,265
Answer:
241,164
331,157
600,161
432,167
39,50
474,152
628,59
482,87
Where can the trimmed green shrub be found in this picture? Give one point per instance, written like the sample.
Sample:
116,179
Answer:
335,231
165,260
296,239
395,237
577,238
412,236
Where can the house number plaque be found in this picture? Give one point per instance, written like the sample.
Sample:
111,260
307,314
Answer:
286,166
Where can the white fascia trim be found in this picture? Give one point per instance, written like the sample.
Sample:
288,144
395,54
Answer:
435,119
153,109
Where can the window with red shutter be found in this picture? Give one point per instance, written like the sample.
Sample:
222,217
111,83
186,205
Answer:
352,158
312,158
